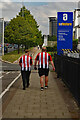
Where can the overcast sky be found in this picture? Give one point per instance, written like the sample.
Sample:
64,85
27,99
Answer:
40,10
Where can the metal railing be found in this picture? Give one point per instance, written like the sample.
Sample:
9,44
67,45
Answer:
69,70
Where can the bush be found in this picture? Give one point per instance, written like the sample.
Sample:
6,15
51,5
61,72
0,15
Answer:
55,47
52,49
52,38
75,43
49,49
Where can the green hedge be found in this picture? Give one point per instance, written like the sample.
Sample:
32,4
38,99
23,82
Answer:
52,49
75,42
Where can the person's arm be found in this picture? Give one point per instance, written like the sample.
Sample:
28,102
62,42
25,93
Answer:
53,65
35,64
31,62
50,59
37,58
20,61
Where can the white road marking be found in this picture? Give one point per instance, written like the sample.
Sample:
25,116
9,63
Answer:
1,76
13,72
7,89
2,66
7,72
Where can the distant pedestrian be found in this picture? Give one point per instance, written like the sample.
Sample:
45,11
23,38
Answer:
25,62
43,59
31,55
38,47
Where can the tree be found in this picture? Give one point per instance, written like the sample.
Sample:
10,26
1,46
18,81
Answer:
23,30
52,38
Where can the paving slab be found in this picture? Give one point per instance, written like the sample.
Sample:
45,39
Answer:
33,103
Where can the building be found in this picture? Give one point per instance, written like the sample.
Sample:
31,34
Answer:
45,40
6,23
76,23
52,26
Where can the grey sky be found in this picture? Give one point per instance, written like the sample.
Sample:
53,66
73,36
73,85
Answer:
39,0
40,10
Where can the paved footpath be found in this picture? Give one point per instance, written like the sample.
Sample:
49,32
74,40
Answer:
33,103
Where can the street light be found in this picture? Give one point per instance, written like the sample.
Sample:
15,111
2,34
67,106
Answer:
2,35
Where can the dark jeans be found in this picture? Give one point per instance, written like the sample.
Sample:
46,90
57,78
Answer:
25,78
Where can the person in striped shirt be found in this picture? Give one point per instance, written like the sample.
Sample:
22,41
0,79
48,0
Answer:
43,59
25,62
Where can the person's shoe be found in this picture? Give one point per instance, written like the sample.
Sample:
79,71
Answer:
46,87
42,88
23,88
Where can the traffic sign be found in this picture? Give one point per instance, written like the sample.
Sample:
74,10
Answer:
64,31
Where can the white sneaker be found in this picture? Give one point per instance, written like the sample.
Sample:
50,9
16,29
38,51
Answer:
42,88
46,87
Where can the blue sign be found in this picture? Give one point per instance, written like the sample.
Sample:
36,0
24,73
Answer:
64,31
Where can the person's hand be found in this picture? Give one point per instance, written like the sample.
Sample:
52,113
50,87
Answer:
53,68
20,64
35,67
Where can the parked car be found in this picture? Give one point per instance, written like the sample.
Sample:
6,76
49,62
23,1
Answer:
15,46
10,46
6,44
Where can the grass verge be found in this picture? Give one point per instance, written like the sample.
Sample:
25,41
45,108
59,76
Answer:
12,56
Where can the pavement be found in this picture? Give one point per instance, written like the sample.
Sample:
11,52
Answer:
50,103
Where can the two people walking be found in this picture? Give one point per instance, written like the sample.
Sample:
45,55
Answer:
43,59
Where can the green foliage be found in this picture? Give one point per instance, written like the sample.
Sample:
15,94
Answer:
52,38
52,49
75,42
23,30
55,47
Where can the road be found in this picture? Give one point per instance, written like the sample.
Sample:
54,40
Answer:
7,78
9,73
10,67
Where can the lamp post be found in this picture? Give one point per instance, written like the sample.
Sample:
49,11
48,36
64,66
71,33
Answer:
2,35
22,16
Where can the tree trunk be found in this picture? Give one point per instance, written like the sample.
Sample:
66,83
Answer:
22,49
26,47
18,48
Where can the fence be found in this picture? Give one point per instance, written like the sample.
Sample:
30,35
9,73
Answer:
69,70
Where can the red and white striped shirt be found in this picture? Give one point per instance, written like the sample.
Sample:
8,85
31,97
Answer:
25,62
43,59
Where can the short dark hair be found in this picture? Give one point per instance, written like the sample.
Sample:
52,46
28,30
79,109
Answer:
26,51
43,49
